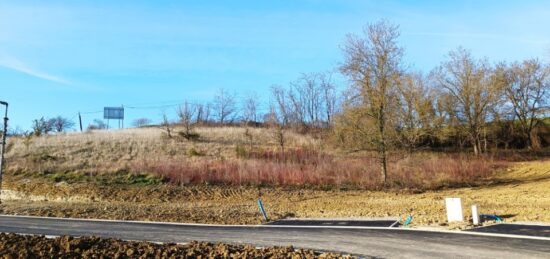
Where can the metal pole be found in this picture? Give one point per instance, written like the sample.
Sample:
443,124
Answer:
4,133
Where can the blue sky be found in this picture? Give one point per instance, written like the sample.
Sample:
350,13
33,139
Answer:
62,57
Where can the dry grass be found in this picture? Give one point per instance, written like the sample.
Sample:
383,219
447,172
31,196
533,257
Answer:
231,156
117,150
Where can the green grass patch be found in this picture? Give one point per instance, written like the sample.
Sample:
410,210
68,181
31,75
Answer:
104,179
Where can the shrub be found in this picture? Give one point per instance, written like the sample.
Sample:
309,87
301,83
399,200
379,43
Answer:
193,152
189,136
422,171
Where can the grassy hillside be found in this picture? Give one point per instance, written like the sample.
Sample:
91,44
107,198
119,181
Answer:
230,156
120,151
140,174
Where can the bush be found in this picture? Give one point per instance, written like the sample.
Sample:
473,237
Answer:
193,152
421,171
189,136
241,152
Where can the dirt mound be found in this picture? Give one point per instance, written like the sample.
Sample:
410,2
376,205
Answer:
23,246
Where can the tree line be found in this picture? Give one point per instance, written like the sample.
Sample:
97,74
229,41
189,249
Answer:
465,102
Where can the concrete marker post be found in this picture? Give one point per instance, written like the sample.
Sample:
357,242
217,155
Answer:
475,215
454,209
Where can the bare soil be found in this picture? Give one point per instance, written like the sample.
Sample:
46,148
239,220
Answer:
520,193
25,246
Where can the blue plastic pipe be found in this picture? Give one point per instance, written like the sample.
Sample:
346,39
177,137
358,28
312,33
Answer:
262,210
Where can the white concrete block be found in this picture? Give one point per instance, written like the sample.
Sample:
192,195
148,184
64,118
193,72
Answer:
454,209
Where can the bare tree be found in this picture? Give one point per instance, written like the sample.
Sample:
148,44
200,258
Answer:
60,124
281,107
297,100
329,96
275,121
416,115
451,128
373,64
474,86
311,91
250,108
224,106
305,97
97,124
166,125
528,91
311,100
207,112
41,126
140,122
199,118
186,113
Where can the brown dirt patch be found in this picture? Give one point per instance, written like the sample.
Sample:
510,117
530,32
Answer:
25,246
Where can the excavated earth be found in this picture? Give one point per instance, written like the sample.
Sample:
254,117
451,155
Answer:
520,193
26,246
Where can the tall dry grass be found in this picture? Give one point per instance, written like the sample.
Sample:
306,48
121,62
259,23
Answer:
115,150
228,156
420,171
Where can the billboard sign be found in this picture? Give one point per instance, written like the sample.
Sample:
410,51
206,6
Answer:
113,113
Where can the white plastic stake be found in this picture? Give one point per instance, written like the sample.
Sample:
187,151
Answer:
475,215
454,209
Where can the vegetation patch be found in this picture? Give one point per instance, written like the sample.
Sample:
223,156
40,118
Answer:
101,179
422,171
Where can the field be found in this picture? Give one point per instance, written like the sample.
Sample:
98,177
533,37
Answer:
140,174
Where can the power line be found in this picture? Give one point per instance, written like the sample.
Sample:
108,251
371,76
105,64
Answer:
151,107
91,112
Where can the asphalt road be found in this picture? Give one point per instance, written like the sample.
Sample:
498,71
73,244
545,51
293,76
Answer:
516,229
337,223
377,242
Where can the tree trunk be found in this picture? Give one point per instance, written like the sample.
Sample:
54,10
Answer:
383,165
476,146
533,141
383,148
476,143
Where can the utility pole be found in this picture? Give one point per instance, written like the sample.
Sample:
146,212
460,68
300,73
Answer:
80,120
3,146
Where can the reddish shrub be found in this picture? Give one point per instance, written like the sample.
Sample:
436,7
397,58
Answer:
419,171
292,155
